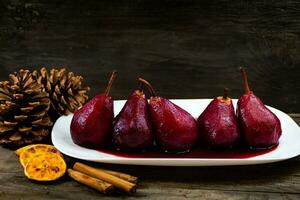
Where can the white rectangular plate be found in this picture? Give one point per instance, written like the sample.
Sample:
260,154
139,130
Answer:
289,144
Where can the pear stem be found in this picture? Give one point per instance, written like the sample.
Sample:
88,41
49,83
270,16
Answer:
141,87
245,81
225,95
110,82
148,85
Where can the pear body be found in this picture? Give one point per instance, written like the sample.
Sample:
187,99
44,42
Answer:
218,126
132,127
175,130
260,127
91,125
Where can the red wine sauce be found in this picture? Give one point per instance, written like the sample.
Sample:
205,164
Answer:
195,153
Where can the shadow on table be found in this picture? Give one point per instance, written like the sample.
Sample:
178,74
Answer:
261,173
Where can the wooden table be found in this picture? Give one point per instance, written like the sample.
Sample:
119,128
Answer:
269,181
186,49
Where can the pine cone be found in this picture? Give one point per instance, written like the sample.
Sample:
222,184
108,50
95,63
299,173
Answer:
23,110
65,90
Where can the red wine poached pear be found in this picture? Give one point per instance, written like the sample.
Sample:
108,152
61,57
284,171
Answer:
91,125
218,124
132,129
175,130
260,127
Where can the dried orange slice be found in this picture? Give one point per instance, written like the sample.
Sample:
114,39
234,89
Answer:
20,150
36,150
45,167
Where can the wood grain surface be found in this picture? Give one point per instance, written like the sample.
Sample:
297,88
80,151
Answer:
268,181
187,49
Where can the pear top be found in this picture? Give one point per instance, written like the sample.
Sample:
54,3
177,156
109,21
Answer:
225,99
148,85
245,81
110,82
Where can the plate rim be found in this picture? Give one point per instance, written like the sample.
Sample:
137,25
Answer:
112,159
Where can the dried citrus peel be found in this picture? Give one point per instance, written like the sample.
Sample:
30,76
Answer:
45,167
34,151
20,150
42,162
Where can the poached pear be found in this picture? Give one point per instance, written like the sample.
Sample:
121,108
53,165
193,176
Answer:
132,128
260,127
175,130
91,125
218,124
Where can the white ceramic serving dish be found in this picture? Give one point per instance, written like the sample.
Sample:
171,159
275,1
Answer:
289,144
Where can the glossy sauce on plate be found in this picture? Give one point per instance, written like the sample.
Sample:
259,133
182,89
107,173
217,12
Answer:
195,153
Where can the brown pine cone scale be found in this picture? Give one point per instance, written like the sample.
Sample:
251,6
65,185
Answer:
23,110
66,92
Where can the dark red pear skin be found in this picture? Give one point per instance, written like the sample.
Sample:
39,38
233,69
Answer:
218,126
132,127
260,127
175,130
91,125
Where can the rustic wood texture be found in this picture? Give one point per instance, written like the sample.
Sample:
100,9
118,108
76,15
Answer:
269,181
187,49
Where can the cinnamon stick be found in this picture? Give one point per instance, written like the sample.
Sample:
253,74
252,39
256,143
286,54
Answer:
104,187
102,175
121,175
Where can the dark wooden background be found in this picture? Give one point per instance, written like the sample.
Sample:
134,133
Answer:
187,49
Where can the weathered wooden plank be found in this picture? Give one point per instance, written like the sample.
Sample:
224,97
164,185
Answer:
269,181
198,44
85,193
188,49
